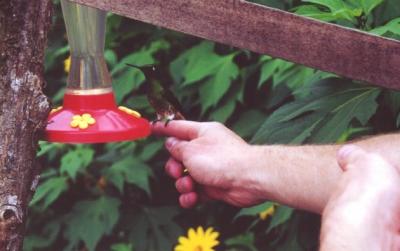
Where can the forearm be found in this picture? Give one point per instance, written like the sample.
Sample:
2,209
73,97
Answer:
305,176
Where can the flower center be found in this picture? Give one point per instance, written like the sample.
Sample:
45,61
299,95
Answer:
198,248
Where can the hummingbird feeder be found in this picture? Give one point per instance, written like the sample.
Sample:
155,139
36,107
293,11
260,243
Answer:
89,113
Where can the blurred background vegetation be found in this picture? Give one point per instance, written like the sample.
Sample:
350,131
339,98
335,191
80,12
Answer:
117,196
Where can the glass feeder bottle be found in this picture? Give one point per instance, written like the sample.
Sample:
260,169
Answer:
89,113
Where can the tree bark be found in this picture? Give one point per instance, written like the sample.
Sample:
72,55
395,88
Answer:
23,110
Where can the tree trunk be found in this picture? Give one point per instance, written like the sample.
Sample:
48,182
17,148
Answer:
23,110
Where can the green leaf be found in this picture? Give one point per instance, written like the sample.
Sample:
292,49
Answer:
244,242
217,86
361,106
138,102
369,5
90,220
49,191
199,62
268,69
223,112
389,9
283,72
42,240
110,57
126,78
349,133
333,5
281,215
122,247
391,27
313,11
144,56
156,226
46,147
129,170
255,210
151,149
76,160
338,9
248,123
126,82
324,114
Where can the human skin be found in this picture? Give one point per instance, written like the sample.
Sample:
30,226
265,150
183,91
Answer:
363,212
223,166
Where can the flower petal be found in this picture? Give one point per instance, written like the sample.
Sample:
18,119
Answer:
214,235
86,116
200,231
91,121
183,240
209,231
191,233
83,125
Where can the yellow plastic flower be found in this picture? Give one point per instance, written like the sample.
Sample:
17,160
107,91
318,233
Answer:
67,64
267,212
130,111
83,122
199,240
56,109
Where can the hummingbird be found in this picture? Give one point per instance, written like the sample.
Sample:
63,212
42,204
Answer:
160,97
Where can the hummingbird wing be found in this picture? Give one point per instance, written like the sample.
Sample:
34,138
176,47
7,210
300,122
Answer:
159,95
170,96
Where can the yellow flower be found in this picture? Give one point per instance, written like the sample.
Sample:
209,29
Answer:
83,122
130,111
199,240
67,64
267,212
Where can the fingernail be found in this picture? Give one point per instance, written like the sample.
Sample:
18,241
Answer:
170,142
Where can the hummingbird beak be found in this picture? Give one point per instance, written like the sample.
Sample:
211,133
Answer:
148,70
134,66
153,67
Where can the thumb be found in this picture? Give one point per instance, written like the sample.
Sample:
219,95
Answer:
176,148
349,155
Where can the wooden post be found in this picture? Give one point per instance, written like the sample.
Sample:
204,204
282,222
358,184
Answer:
23,110
320,45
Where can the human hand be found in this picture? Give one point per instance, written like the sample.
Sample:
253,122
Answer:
219,162
363,213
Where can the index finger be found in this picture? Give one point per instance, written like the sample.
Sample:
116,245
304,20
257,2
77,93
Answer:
181,129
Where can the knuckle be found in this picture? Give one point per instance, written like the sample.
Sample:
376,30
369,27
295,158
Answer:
186,156
212,126
177,148
179,186
217,125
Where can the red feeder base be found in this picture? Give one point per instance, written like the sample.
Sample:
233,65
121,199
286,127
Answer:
94,119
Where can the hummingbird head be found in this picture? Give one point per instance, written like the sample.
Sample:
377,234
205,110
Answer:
148,70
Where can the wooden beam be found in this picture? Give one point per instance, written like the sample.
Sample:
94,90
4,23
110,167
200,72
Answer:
328,47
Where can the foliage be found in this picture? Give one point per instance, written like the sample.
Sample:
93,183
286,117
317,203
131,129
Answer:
117,196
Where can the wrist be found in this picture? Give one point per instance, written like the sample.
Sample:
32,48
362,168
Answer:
256,176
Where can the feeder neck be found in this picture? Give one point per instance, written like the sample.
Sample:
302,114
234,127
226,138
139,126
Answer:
86,36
